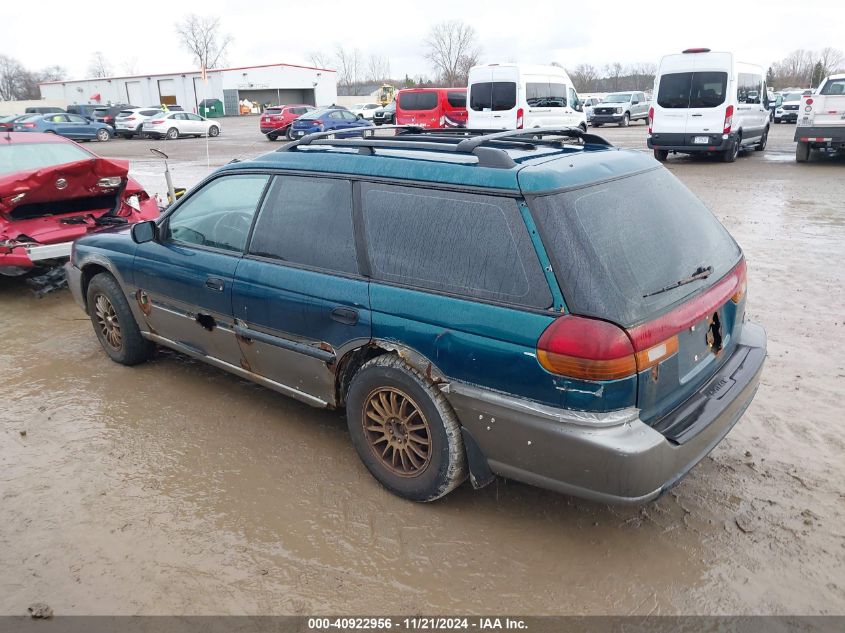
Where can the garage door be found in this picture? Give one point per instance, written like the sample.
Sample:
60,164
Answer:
133,93
167,91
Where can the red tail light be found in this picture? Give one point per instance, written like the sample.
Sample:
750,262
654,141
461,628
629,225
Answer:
590,349
28,125
810,101
729,120
157,122
129,118
650,119
519,118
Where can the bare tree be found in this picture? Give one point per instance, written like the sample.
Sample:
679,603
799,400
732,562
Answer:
795,69
11,78
201,37
320,60
613,72
831,60
452,50
349,66
130,66
53,73
584,77
99,66
378,68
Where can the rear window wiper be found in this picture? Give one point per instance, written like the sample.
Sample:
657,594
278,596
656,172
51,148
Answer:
702,272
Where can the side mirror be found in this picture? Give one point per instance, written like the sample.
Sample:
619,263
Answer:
144,232
578,106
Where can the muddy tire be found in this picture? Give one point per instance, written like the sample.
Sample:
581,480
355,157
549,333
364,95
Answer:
172,134
405,430
802,152
114,324
661,154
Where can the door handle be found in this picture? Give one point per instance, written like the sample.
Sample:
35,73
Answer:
696,115
347,316
214,283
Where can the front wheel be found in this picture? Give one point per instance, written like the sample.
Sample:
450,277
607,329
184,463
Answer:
404,430
595,124
626,119
213,131
114,324
103,135
802,152
172,134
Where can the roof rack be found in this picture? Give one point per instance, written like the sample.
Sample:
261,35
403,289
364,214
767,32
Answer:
488,146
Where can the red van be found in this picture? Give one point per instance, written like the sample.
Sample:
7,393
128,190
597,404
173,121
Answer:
432,107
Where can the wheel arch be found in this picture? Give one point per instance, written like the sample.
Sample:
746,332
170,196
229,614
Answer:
91,268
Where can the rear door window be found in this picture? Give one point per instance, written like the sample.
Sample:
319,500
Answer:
456,99
469,245
493,95
307,221
418,100
692,90
614,242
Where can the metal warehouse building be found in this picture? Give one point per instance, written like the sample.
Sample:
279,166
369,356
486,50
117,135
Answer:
269,83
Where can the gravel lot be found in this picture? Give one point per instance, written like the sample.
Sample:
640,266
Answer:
175,488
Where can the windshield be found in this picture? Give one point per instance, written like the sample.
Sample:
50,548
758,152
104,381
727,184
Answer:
614,242
792,96
29,156
620,98
692,90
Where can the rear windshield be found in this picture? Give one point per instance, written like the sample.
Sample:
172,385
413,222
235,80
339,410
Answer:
692,90
495,95
101,111
418,100
275,110
28,156
834,87
125,113
457,99
614,242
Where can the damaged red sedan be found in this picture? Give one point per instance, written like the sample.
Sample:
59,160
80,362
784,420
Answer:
53,191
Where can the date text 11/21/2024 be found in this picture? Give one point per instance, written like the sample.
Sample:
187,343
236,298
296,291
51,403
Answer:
421,623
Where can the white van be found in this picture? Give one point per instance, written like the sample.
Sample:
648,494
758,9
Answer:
708,102
516,96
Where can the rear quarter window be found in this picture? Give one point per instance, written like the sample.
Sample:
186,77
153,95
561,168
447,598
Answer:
470,245
614,242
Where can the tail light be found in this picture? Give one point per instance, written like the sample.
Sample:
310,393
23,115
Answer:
590,349
28,125
129,118
157,122
110,182
729,120
650,118
520,118
810,101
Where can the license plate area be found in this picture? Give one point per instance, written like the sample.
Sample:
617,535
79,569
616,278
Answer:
701,140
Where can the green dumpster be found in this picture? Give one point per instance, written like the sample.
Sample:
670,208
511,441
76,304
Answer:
211,108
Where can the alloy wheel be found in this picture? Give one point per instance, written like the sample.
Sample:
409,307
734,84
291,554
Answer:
397,431
107,321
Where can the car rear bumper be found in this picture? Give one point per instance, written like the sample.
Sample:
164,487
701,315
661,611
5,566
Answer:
685,143
610,457
820,135
28,256
268,130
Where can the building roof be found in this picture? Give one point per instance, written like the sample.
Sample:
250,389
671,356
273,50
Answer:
189,72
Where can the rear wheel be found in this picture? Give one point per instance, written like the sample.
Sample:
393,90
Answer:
763,140
172,134
595,124
730,154
114,324
272,137
802,152
404,430
626,119
213,130
661,154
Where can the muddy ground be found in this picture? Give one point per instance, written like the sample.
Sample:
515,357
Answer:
176,488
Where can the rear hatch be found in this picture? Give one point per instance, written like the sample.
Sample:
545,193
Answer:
272,115
419,108
642,252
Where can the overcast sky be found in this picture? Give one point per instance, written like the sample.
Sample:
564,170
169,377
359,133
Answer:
533,31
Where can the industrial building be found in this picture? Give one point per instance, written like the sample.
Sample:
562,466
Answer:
269,83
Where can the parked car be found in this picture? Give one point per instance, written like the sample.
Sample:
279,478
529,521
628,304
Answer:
42,109
516,96
53,191
84,109
275,121
364,110
324,120
821,125
589,103
432,107
385,115
568,315
172,125
621,108
130,122
787,111
70,125
8,122
108,114
701,106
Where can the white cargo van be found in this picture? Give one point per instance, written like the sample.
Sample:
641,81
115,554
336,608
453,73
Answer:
708,102
516,96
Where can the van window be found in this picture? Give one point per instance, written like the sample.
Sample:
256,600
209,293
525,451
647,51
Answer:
834,87
692,90
748,88
471,245
457,99
307,221
496,96
545,95
614,242
418,100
